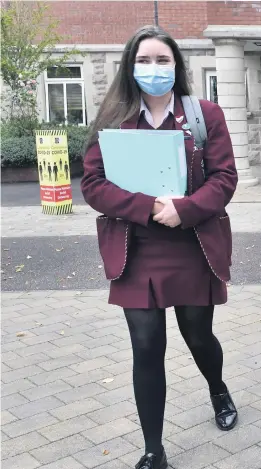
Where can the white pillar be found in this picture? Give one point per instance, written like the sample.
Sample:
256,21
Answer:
230,66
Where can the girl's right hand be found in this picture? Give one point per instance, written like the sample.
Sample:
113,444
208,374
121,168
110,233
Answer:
157,208
164,199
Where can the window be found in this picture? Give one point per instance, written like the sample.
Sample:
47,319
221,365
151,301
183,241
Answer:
65,101
247,91
211,86
116,67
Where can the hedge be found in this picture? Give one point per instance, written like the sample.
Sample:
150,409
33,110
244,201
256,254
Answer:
21,151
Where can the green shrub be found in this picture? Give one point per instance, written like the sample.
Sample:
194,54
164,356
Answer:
18,127
77,139
20,151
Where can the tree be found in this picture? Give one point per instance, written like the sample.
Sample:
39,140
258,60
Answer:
28,37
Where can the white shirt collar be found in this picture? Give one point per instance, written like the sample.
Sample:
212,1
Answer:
147,113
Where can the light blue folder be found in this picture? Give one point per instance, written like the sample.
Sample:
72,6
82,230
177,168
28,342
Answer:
149,161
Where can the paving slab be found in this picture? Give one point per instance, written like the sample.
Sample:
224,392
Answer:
68,397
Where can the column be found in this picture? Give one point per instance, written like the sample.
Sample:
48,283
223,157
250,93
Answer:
230,66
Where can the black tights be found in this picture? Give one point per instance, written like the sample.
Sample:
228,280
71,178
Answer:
148,335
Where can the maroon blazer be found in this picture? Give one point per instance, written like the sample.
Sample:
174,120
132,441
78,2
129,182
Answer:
203,208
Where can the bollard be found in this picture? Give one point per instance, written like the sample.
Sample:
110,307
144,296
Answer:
54,171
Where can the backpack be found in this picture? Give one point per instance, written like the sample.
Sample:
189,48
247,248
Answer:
195,119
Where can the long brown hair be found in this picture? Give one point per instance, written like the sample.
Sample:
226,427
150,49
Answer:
122,101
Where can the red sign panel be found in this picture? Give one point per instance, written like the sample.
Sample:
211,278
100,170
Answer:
56,194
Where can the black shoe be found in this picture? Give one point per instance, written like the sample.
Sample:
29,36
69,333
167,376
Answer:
151,461
225,411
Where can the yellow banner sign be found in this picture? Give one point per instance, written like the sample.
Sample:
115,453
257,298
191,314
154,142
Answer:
54,171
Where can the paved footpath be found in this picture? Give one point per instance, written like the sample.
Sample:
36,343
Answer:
28,221
67,399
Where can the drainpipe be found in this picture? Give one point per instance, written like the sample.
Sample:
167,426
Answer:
156,13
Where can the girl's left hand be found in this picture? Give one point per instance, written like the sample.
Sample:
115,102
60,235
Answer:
169,215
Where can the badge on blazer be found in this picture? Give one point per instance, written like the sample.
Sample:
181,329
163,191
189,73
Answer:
186,126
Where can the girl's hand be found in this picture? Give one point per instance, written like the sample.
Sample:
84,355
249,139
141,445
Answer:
157,208
165,198
168,216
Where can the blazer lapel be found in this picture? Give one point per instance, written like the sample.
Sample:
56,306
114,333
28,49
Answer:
179,121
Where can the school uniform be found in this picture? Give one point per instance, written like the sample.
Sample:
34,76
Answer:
153,265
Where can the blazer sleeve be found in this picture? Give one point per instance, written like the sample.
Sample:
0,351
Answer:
220,185
109,199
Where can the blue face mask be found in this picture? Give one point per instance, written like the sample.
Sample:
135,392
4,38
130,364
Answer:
154,79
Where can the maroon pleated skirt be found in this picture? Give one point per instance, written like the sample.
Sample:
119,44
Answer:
166,267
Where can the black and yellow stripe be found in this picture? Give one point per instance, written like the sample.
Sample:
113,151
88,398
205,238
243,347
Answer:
57,210
43,133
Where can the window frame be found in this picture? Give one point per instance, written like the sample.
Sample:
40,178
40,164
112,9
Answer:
247,89
213,73
117,64
64,82
209,73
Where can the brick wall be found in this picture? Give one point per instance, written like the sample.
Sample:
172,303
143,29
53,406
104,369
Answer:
94,22
113,22
183,19
236,13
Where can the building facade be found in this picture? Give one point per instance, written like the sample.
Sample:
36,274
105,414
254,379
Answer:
220,41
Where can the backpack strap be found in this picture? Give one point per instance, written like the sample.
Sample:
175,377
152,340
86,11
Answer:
196,119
